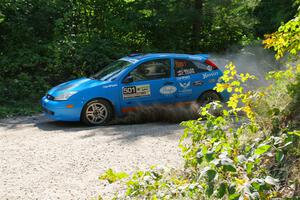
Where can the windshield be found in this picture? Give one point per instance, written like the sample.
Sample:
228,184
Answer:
111,71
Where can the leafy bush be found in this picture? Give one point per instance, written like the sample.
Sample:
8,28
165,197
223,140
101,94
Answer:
227,156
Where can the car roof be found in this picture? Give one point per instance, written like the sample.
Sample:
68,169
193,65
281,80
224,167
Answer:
141,57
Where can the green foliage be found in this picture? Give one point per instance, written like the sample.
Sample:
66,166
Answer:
227,156
112,176
285,113
272,14
18,109
286,39
1,17
43,43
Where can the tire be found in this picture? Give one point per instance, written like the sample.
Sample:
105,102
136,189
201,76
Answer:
97,112
208,97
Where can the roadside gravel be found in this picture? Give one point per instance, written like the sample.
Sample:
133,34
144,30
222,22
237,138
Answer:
42,159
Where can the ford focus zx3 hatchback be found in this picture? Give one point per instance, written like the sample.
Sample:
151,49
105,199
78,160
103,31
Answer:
134,82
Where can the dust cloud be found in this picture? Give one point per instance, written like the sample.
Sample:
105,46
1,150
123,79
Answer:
253,59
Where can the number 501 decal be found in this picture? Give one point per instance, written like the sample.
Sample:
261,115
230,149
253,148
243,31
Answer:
129,90
136,91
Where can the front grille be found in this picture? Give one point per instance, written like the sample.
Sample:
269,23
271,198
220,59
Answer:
50,97
49,112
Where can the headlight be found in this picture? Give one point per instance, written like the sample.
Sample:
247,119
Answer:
65,96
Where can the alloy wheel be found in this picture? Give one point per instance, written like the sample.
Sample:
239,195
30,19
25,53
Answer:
96,113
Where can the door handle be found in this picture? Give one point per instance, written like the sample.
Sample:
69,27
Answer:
168,83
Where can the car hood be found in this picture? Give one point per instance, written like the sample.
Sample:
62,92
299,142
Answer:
75,85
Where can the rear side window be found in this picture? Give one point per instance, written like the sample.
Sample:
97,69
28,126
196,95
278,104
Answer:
189,67
156,69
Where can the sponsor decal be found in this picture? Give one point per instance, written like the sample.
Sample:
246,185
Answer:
183,72
168,89
186,91
183,78
212,80
110,86
185,88
185,85
136,91
198,83
207,75
209,68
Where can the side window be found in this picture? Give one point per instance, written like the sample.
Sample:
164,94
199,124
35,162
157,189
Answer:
189,67
202,67
151,70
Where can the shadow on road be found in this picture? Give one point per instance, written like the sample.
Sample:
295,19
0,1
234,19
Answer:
126,129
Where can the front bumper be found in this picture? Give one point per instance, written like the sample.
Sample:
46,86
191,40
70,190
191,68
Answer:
58,110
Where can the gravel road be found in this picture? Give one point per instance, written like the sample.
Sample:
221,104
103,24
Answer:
42,159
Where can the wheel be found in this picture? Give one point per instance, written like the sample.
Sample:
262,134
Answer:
97,112
208,97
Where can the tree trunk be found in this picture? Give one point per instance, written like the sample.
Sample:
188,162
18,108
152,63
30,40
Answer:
197,25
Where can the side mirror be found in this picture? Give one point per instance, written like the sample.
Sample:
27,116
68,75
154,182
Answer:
128,79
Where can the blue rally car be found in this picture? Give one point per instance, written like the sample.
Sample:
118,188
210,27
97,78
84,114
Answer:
133,82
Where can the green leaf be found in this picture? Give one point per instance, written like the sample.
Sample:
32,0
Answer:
262,149
210,189
256,185
231,189
211,174
253,128
112,176
222,190
229,168
279,156
1,17
234,196
297,133
276,111
228,165
210,156
249,167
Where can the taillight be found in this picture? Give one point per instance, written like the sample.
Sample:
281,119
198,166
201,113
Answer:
210,63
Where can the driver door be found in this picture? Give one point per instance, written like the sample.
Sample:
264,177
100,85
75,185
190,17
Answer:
148,84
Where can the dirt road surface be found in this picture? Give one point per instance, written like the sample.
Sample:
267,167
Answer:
42,159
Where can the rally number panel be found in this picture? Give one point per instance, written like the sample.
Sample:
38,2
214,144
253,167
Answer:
136,91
